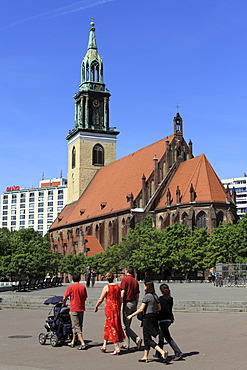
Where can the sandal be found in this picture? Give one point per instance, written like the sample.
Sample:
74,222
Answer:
71,345
103,349
82,346
143,360
115,353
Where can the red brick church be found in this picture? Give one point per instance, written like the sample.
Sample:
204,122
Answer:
107,197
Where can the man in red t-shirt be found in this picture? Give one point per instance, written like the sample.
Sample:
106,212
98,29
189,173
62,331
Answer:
130,295
78,295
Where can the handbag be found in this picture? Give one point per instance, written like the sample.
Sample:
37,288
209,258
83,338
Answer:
140,316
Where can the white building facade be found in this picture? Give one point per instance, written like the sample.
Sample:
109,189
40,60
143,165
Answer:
240,186
34,208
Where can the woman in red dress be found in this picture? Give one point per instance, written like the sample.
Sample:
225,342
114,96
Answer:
113,331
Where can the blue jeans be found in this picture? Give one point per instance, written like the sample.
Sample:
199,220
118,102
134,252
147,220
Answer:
164,333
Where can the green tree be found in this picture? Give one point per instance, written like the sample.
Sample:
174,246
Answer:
146,258
136,237
5,242
241,239
29,255
197,251
173,253
74,264
223,245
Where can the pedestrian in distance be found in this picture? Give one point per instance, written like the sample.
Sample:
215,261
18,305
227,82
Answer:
130,295
88,276
166,318
78,295
113,331
149,307
93,277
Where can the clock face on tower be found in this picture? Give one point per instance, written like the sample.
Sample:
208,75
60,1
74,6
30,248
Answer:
96,103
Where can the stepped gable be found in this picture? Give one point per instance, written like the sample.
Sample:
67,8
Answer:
198,172
108,189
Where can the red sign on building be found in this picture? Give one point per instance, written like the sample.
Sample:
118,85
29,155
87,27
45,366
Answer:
13,188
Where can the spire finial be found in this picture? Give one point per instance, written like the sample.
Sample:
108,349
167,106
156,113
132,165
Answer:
177,106
92,39
92,24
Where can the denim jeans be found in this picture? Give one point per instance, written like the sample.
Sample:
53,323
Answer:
165,333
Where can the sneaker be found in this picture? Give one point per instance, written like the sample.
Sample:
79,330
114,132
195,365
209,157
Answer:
177,357
139,344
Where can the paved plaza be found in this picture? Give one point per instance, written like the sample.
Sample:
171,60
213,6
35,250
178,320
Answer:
208,340
180,292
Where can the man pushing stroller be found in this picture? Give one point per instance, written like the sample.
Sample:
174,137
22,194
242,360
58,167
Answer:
78,295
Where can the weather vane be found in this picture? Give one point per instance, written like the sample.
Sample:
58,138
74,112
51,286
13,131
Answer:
177,106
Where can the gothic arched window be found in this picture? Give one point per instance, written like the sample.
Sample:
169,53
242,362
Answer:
87,72
124,228
97,231
110,233
185,219
201,220
98,155
219,218
73,157
94,71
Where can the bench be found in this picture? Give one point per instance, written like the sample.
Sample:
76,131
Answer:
21,286
47,283
40,283
32,284
54,281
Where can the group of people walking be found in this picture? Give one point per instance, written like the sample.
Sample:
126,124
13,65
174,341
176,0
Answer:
156,315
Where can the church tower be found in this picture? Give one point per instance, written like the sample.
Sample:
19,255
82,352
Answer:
92,142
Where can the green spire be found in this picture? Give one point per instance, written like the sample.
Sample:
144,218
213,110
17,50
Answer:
92,40
92,64
92,99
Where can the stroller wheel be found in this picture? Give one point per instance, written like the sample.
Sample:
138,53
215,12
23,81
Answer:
42,338
54,340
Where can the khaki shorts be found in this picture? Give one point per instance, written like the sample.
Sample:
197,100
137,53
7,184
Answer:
77,321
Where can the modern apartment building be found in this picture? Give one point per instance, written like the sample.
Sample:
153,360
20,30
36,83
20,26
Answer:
240,186
33,208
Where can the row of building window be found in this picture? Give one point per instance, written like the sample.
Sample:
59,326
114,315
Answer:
31,200
30,223
31,210
32,194
30,217
240,190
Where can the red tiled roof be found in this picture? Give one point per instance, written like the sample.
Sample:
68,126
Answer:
112,184
200,174
94,245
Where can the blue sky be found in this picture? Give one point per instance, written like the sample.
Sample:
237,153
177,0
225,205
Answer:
157,54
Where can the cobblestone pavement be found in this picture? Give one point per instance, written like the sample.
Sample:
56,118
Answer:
208,340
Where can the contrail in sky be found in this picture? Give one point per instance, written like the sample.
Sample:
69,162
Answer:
64,10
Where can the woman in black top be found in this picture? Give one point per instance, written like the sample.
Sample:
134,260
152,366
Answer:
166,318
150,307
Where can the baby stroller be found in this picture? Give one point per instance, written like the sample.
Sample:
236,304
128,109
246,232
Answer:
58,325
